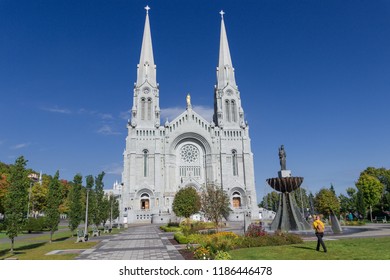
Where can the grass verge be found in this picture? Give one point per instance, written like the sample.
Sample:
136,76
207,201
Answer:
377,248
36,248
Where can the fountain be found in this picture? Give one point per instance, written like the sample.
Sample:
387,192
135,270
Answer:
288,217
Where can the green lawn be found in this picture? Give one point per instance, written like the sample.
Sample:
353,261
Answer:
344,249
36,248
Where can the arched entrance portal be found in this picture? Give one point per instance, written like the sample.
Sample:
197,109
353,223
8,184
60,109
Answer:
236,200
145,201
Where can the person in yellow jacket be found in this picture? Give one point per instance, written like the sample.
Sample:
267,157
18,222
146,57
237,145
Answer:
319,227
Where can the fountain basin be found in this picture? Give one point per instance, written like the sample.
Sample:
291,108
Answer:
285,184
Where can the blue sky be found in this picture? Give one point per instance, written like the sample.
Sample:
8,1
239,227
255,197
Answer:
313,75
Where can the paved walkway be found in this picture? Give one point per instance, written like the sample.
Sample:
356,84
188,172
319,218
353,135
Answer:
148,242
140,242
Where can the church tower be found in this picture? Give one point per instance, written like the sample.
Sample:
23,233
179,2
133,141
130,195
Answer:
146,110
227,103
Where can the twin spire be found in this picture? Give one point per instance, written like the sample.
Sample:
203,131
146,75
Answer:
147,68
225,70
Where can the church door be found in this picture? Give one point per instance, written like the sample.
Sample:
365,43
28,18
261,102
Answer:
145,204
236,202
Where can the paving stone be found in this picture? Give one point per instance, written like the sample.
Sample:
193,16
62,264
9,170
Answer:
143,242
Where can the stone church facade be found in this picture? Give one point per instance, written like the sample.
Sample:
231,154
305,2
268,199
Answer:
159,159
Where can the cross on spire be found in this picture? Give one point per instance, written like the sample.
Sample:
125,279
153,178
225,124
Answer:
222,13
147,8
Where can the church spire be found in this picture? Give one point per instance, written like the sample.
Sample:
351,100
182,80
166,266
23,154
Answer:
146,66
225,70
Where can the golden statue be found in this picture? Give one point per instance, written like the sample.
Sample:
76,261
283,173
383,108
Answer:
188,98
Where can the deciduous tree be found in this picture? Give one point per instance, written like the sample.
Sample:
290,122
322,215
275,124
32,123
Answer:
75,206
270,201
3,190
215,203
99,216
186,202
348,202
92,209
383,175
53,202
16,199
326,201
371,189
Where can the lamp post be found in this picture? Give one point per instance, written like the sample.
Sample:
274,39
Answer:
111,200
33,178
86,215
303,211
246,214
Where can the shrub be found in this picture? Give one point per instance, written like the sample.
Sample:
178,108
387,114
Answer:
173,224
170,228
202,253
226,234
293,239
276,239
219,244
355,223
186,229
248,242
33,224
221,241
221,255
255,230
181,238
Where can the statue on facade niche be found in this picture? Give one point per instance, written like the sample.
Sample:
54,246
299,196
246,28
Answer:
282,158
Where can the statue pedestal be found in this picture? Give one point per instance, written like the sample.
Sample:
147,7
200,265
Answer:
288,216
284,173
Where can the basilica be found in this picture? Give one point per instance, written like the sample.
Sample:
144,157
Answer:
161,158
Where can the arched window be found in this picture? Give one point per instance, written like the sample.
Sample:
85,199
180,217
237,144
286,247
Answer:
145,163
149,108
143,108
227,110
234,163
234,111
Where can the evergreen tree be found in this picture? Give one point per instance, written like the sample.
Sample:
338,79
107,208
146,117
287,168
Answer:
53,202
332,189
16,199
75,207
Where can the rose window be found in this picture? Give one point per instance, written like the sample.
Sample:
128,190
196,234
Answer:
189,153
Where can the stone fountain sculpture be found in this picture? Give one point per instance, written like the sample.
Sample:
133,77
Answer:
288,217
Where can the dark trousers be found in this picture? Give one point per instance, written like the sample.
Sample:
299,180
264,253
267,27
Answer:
320,241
